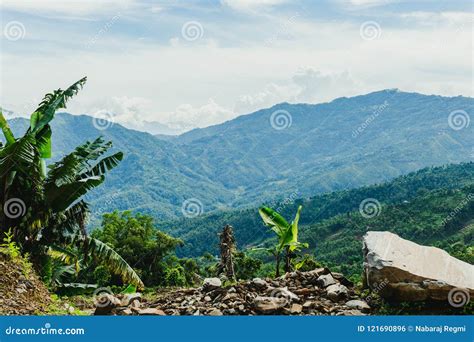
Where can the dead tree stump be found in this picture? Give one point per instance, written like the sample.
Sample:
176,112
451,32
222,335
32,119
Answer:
227,248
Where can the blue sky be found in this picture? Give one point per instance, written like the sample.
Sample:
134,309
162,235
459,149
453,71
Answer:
197,63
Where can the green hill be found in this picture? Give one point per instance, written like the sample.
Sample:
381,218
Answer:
417,206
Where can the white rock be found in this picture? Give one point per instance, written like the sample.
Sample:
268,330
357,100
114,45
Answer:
404,270
211,284
283,292
259,283
358,304
325,280
336,291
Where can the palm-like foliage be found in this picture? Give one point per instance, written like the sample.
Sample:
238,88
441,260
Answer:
287,234
45,208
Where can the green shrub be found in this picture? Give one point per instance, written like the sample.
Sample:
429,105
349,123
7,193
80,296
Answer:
175,276
246,267
102,275
11,249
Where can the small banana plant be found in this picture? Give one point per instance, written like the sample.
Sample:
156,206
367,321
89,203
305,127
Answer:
286,233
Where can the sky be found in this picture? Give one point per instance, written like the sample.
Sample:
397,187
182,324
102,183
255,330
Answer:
193,64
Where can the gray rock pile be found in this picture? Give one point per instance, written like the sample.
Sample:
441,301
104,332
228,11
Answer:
318,292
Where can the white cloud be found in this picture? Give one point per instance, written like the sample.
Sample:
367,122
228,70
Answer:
307,85
439,17
74,10
156,9
370,2
187,116
247,5
138,112
123,109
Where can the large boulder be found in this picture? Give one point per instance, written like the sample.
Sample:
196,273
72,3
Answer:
403,270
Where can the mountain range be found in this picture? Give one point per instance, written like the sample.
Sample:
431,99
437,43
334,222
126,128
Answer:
288,150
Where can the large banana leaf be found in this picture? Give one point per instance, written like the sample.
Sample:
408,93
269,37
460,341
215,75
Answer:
294,230
10,139
70,220
18,158
104,165
274,220
77,165
64,171
51,103
73,176
114,261
60,271
61,197
65,254
20,152
39,121
44,142
92,150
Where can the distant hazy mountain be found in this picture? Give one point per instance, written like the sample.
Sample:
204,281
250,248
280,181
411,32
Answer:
346,143
155,128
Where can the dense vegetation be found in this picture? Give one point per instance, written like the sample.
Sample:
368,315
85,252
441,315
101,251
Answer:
148,250
249,230
417,206
43,213
245,161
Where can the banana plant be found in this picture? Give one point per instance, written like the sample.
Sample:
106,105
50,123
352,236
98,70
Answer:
44,207
286,233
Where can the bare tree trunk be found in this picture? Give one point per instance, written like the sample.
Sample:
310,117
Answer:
288,256
227,248
277,271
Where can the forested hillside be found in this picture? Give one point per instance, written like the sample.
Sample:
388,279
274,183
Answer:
416,206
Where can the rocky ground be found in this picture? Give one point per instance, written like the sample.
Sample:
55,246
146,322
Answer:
21,293
318,292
